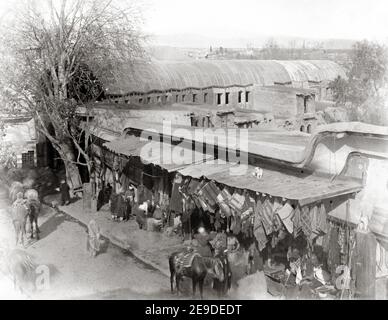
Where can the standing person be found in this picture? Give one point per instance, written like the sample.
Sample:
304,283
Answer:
65,193
129,202
93,182
141,215
93,242
113,205
100,197
121,205
204,248
107,193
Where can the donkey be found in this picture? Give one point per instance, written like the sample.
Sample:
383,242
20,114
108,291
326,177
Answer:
196,267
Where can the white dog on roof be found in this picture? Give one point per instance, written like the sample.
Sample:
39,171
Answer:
258,173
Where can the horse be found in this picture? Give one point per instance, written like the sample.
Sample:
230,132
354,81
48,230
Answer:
34,207
19,219
196,267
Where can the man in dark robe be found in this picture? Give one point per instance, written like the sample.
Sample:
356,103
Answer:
107,193
65,192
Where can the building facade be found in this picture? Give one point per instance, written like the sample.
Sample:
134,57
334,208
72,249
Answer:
286,89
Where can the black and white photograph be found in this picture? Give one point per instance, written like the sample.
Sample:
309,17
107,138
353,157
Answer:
192,151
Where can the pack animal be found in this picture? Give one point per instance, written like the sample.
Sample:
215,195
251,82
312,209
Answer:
194,266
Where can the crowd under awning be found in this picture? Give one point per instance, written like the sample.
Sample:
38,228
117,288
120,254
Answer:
293,185
297,186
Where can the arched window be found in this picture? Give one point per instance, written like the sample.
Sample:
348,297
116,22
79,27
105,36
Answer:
302,128
309,128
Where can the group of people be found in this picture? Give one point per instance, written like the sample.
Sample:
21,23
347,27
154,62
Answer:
121,204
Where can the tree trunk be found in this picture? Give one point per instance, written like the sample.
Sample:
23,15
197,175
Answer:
72,172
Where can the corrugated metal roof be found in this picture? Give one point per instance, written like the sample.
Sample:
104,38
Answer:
305,188
164,75
312,70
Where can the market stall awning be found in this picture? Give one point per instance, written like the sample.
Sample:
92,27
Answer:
102,133
128,146
164,155
171,157
302,187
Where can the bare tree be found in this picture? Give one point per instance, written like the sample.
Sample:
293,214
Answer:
54,54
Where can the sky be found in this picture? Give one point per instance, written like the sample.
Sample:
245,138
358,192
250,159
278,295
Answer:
318,19
344,19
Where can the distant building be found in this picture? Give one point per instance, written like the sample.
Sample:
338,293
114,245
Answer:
21,133
241,84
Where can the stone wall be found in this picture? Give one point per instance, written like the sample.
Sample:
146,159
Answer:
269,100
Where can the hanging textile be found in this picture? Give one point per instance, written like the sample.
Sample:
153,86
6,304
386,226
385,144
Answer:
322,224
277,223
260,236
326,239
314,216
277,204
297,222
176,197
305,221
286,214
237,202
208,194
223,200
267,217
131,173
192,186
199,202
314,219
259,208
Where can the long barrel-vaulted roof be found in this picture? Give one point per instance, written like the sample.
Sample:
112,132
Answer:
165,75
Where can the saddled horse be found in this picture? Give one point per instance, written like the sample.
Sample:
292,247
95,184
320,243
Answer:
194,266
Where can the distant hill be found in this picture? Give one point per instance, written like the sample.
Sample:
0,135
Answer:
199,41
159,52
